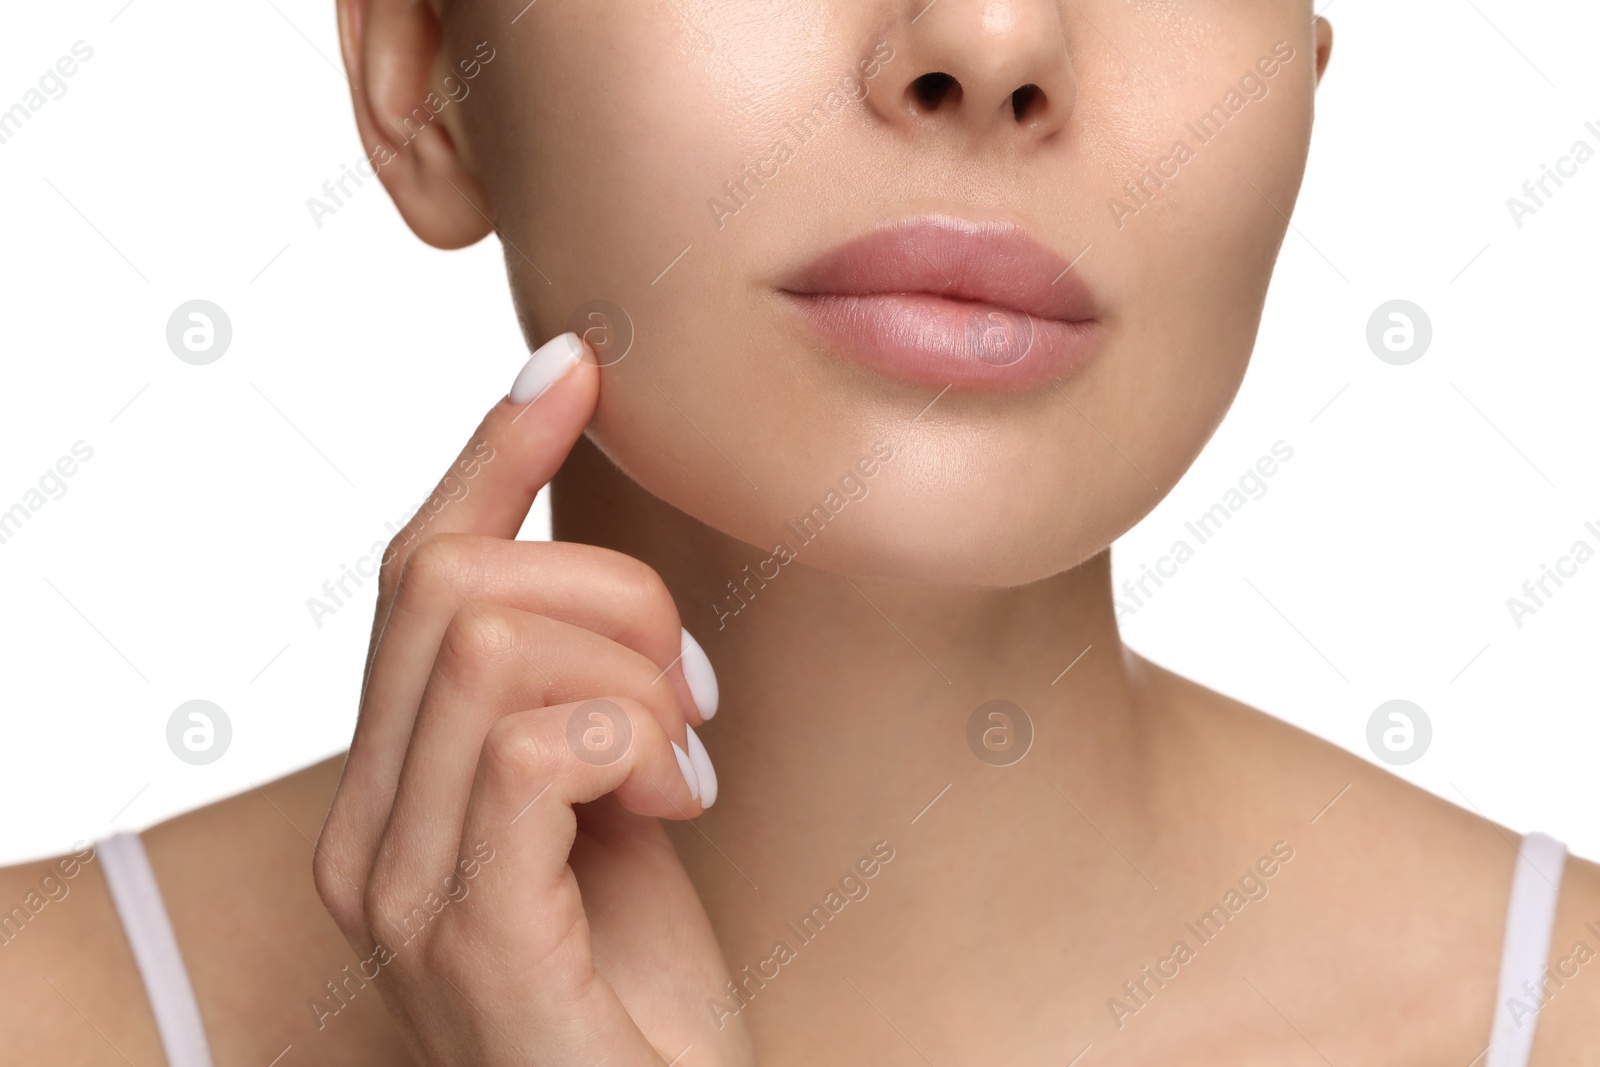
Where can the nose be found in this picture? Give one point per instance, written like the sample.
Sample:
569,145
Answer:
992,68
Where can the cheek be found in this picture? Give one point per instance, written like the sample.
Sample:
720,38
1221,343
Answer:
612,131
611,201
592,199
1191,225
607,142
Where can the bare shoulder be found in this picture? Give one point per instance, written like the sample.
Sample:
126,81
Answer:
269,968
1289,774
1416,887
1568,1005
69,990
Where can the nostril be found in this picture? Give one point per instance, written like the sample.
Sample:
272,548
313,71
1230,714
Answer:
931,91
1027,102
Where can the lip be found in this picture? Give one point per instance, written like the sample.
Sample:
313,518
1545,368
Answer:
945,301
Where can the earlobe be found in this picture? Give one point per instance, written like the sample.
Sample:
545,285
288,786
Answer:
1324,33
391,48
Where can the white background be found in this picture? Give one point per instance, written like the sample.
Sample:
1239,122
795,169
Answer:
218,499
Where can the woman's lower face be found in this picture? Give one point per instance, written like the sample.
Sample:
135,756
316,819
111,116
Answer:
806,234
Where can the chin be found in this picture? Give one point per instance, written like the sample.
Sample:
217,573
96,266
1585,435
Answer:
991,535
957,505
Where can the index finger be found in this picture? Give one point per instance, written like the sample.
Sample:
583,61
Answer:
515,451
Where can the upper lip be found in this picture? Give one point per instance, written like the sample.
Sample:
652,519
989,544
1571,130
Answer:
991,263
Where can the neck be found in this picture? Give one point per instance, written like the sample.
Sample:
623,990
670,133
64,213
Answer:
847,703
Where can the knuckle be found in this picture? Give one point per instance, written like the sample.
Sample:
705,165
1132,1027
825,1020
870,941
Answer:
648,591
393,561
387,916
525,748
479,638
430,568
439,568
340,896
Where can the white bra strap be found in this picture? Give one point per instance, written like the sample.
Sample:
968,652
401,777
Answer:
1535,888
144,919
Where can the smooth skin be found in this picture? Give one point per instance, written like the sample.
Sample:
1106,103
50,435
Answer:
605,909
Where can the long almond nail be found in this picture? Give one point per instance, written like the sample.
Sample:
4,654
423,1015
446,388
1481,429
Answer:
686,765
701,678
702,769
548,364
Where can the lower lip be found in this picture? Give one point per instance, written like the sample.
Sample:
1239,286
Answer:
937,341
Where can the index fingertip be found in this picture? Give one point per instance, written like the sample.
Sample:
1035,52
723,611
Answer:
549,363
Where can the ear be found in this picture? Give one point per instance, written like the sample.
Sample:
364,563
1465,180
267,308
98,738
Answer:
407,123
1324,32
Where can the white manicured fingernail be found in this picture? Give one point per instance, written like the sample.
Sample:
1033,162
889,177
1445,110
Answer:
545,367
701,678
686,765
703,769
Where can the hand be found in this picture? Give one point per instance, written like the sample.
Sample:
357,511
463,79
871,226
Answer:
493,851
